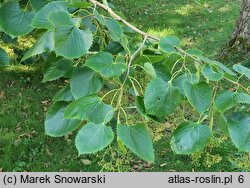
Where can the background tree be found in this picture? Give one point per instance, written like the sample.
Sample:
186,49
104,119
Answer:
240,40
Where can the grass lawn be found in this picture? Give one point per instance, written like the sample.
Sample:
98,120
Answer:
202,24
24,99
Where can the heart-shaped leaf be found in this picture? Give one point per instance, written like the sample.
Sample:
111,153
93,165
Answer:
139,101
103,64
210,74
199,95
178,82
168,43
85,82
161,98
225,101
41,19
190,137
14,21
93,138
90,108
55,124
70,41
228,99
138,140
223,67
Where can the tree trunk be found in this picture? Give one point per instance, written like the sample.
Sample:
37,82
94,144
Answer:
240,41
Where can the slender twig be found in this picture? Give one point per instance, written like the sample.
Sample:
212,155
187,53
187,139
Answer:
135,54
238,84
128,72
146,35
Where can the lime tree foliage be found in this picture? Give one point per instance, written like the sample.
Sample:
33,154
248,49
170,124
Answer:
101,55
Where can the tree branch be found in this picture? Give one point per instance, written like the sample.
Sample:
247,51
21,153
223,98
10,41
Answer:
118,18
238,84
146,35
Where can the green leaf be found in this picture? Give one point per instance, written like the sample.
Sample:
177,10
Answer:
210,74
225,101
162,72
223,67
194,52
114,28
55,124
93,137
243,98
103,64
125,43
44,44
121,146
199,95
85,82
64,94
41,19
79,4
239,130
87,21
100,18
14,21
190,137
221,121
70,41
90,108
149,58
161,98
168,43
150,71
178,82
138,140
56,68
139,101
38,4
114,48
242,70
4,58
8,39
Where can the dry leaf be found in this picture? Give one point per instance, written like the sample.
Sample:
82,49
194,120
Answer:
17,142
48,152
163,164
2,95
86,162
